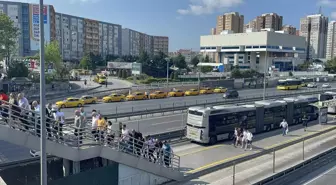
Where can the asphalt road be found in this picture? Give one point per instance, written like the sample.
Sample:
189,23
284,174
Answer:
141,105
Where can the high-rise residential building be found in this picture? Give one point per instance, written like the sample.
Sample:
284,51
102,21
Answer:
289,29
78,35
134,42
268,20
230,21
26,18
315,28
160,44
331,41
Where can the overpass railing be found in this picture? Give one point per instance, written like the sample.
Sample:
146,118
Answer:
79,135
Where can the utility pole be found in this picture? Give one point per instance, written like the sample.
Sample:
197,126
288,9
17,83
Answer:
264,93
43,158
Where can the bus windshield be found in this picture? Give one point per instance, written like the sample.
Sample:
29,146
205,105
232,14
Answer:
196,113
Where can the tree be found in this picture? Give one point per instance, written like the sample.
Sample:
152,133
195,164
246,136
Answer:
8,36
330,66
305,66
194,61
85,62
176,74
119,73
235,73
17,69
206,59
290,73
172,75
179,61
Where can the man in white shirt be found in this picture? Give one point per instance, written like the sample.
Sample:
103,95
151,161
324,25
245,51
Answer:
59,118
94,125
249,137
244,142
25,107
284,126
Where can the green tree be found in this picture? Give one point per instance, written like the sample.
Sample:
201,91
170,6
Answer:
85,62
206,59
206,69
330,66
17,69
179,61
194,61
8,35
172,75
176,74
235,73
305,66
290,73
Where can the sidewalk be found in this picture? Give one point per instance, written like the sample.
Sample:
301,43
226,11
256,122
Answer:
257,169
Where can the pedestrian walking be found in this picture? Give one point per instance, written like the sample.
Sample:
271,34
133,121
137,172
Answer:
284,126
235,137
305,122
167,152
94,125
244,138
249,137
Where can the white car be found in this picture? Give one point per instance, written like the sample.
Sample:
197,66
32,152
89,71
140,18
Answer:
326,85
312,85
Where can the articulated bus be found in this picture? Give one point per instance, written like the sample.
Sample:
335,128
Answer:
329,96
212,124
289,84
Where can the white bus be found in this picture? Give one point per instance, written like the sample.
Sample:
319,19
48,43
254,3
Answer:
330,96
212,124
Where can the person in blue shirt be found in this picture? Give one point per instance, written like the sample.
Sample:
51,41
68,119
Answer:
167,151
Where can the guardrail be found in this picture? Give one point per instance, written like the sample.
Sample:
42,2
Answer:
23,162
170,107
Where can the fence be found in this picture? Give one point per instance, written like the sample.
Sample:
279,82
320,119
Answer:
80,135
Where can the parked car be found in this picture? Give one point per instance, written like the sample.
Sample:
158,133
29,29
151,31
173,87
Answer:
312,85
326,85
231,94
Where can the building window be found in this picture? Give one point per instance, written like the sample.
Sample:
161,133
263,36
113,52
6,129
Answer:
262,47
241,57
248,47
231,47
255,46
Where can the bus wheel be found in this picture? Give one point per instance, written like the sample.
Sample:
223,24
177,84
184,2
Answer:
213,140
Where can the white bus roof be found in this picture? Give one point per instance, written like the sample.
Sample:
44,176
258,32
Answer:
330,92
270,103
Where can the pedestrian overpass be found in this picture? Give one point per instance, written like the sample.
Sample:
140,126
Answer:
65,144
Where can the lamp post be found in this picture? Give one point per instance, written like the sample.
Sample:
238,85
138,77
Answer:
167,60
266,66
43,158
106,67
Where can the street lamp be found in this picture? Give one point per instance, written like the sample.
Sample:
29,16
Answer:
265,70
167,60
106,67
43,156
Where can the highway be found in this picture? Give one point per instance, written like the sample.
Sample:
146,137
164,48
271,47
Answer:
141,105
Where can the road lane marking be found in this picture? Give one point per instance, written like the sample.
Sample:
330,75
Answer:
246,154
321,175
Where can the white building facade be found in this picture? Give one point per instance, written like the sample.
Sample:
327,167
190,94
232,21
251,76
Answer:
331,41
254,50
314,28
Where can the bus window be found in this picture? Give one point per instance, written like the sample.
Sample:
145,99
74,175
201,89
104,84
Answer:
193,112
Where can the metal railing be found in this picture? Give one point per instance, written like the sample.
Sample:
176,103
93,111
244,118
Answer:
79,135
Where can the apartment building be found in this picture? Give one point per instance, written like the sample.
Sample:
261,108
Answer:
160,44
213,31
78,35
26,18
230,21
314,28
331,41
134,42
289,29
188,54
266,21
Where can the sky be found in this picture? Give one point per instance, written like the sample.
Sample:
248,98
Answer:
184,21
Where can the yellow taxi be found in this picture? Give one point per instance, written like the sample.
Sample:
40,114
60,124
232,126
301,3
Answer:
70,102
206,90
89,99
176,93
192,92
157,95
220,90
136,96
114,98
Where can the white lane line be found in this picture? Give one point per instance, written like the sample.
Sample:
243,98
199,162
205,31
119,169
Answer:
314,179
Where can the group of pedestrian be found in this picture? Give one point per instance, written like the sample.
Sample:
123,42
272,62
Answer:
242,137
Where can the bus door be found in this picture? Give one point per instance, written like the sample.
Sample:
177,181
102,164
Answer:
297,116
290,109
260,119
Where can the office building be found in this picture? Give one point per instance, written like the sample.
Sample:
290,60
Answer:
265,21
230,21
331,41
314,28
289,29
254,50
